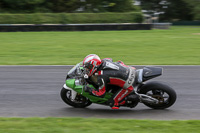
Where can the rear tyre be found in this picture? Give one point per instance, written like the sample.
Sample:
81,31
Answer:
163,93
79,102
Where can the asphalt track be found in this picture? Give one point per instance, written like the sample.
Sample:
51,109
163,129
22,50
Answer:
34,91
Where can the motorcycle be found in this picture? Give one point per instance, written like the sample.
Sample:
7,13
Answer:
153,94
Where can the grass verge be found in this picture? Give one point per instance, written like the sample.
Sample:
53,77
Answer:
176,46
90,125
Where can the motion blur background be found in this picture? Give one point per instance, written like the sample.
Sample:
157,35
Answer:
174,11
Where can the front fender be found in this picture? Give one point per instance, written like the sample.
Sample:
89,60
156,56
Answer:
73,93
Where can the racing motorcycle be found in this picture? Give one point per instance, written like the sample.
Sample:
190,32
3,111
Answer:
153,94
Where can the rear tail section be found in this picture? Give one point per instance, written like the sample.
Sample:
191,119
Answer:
147,73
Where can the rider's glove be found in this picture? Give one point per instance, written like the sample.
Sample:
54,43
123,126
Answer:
88,89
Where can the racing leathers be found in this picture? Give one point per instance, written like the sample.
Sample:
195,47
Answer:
113,73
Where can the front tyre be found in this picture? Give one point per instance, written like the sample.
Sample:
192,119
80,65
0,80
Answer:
79,102
165,95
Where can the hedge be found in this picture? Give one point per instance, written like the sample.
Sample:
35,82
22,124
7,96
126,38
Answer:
69,18
186,23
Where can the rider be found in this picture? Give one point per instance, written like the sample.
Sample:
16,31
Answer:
104,72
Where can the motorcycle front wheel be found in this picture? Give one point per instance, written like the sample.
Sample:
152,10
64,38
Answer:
79,102
165,95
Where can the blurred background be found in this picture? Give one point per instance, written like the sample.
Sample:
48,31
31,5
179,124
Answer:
43,11
67,48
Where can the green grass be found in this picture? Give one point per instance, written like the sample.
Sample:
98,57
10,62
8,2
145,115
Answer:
176,46
94,125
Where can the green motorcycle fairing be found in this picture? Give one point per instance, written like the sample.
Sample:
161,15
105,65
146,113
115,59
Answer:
79,89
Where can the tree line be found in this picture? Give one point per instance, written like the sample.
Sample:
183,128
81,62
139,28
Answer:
173,9
169,9
69,6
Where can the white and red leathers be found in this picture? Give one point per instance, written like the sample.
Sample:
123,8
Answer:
114,73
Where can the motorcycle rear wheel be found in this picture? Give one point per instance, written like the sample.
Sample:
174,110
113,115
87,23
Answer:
163,93
79,102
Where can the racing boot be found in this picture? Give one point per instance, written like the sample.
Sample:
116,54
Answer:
112,104
115,107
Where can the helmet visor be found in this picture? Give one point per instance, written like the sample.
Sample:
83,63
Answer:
88,65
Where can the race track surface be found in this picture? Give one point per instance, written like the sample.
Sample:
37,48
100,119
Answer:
34,91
